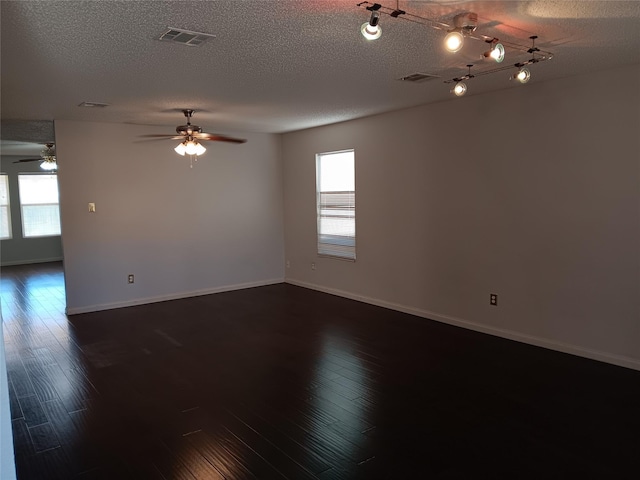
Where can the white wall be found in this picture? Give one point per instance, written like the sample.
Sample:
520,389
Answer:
180,231
531,193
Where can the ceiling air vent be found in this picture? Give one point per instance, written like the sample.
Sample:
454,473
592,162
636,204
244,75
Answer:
418,77
185,37
93,104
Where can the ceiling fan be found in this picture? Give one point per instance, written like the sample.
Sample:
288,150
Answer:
192,133
47,157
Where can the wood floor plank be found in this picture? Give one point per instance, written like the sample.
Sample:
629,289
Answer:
20,380
32,411
43,437
218,455
296,450
326,442
197,464
62,423
72,397
84,455
42,383
272,454
14,404
245,455
23,446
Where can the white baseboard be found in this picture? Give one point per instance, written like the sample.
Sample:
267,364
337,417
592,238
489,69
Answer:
30,262
619,360
173,296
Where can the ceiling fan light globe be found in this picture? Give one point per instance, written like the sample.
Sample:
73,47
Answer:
180,149
200,149
453,41
48,165
191,148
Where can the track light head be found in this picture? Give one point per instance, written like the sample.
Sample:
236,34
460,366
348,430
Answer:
459,89
496,51
453,41
523,75
371,30
464,24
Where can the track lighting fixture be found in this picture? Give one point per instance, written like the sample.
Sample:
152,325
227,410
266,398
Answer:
462,27
371,30
496,51
523,75
460,87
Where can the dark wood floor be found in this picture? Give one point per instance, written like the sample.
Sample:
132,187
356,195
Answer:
283,382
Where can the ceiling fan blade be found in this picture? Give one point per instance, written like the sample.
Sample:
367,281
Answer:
30,160
160,135
215,137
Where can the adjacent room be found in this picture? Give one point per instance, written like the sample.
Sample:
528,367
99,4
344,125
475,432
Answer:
320,240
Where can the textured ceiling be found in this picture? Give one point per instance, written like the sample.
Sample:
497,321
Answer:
277,66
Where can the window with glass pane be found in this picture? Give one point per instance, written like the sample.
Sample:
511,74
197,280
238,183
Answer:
5,212
336,204
39,205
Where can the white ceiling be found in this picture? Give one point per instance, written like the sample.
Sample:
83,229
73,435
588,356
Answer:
277,66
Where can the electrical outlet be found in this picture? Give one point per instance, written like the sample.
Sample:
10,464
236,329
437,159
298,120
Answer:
493,299
130,278
313,266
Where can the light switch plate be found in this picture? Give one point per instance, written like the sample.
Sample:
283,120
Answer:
92,207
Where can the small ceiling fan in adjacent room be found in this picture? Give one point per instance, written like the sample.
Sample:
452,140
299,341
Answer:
47,157
190,135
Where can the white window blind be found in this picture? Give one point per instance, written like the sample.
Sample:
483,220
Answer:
5,212
336,204
39,205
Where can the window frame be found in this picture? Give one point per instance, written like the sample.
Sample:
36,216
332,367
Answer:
342,247
22,205
9,236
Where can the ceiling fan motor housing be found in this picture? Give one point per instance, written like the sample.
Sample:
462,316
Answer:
188,129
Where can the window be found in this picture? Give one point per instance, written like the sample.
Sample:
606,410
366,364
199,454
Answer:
5,212
39,205
336,204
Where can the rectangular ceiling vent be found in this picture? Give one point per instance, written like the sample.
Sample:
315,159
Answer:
93,105
418,77
185,37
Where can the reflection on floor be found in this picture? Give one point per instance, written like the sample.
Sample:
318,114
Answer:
281,382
